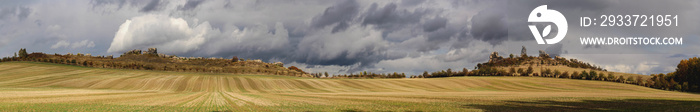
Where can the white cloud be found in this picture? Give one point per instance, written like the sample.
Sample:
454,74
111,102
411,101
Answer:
84,43
60,44
176,36
74,45
169,34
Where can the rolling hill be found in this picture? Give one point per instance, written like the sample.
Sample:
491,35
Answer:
34,86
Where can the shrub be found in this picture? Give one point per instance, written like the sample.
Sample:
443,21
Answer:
585,75
630,80
234,59
529,71
621,79
565,75
611,76
521,71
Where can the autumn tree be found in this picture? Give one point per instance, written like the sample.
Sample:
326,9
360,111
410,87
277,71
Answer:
689,71
425,74
449,72
465,71
23,53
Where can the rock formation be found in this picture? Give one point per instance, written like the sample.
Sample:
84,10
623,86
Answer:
135,51
494,57
153,51
279,64
544,54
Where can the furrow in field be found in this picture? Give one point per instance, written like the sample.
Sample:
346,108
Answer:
529,84
198,101
355,86
26,71
182,83
372,84
258,84
84,81
46,77
304,87
293,99
322,86
485,84
206,85
395,87
215,99
508,86
250,85
111,82
417,84
196,84
466,85
78,97
283,86
436,85
238,84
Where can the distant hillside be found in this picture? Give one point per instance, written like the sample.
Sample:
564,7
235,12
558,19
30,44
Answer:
559,67
151,60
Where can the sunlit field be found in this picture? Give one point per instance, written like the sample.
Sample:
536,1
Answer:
31,86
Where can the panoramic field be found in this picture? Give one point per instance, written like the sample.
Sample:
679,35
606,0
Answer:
31,86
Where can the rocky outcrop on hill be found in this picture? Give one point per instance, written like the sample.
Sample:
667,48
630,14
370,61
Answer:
494,57
135,51
153,51
278,64
544,54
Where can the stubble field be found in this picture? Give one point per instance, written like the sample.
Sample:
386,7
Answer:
29,86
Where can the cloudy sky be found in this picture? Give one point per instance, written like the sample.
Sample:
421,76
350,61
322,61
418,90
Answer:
340,36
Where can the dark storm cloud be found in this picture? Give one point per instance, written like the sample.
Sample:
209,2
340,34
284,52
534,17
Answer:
120,3
340,27
191,4
153,5
340,13
490,25
19,12
434,24
390,18
554,50
411,2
